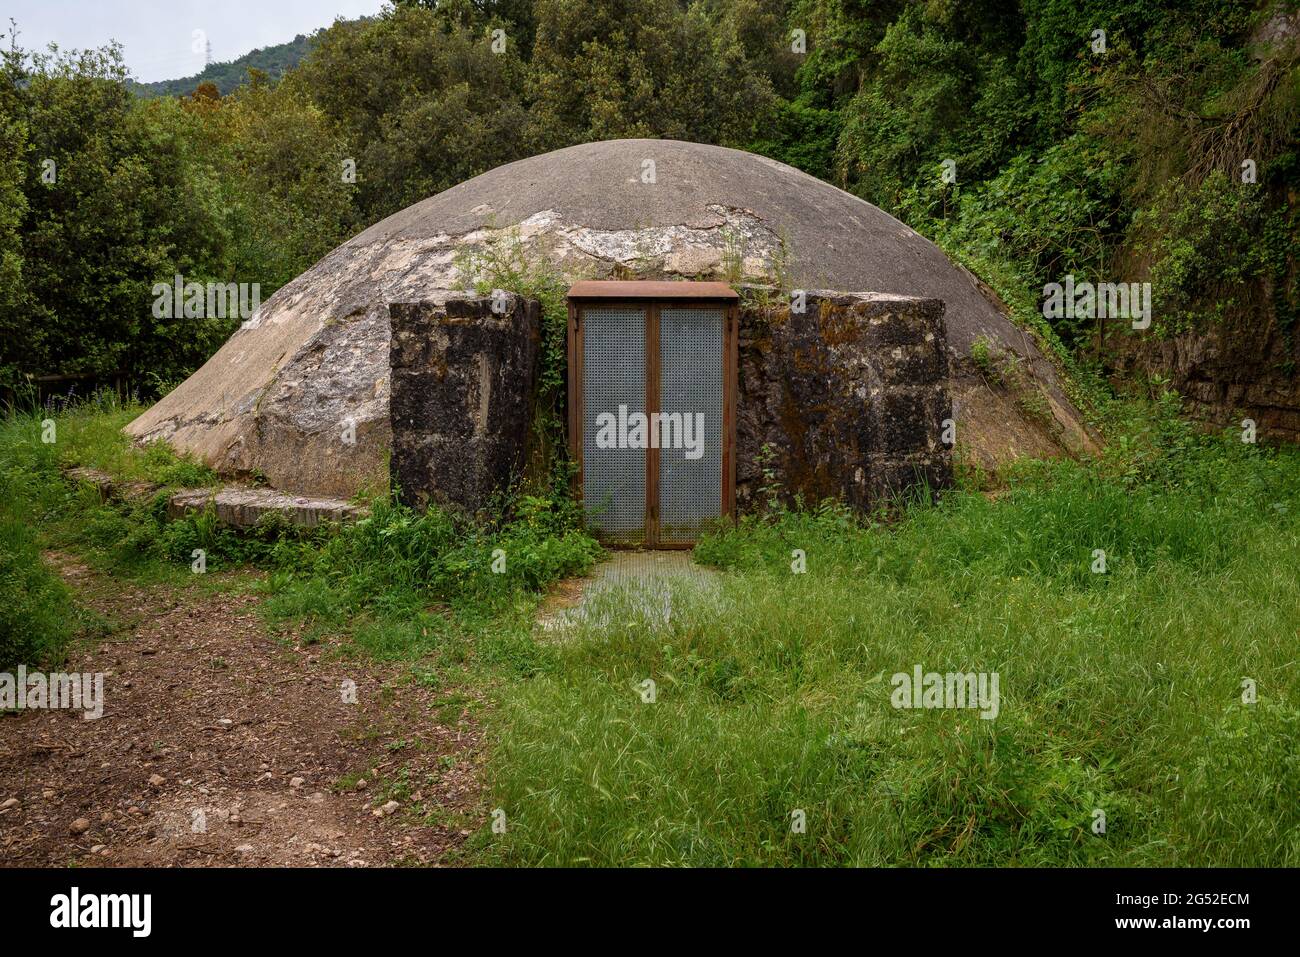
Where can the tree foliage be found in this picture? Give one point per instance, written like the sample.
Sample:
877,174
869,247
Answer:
1000,130
107,195
272,62
421,98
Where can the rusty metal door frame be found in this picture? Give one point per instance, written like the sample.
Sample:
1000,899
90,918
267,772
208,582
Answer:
651,296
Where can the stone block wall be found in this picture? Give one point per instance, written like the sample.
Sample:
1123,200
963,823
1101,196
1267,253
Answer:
462,392
1241,367
850,397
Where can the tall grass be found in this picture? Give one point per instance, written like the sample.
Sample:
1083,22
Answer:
397,584
38,615
1121,693
37,618
406,584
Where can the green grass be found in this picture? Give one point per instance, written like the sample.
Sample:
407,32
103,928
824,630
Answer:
1120,692
88,433
395,585
405,586
38,615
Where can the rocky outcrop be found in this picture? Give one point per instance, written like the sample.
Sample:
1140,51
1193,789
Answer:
847,399
1239,362
1226,372
464,371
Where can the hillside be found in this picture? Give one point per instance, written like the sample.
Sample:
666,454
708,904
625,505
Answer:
272,60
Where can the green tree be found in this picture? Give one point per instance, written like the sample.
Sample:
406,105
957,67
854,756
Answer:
111,206
422,102
283,177
13,201
604,70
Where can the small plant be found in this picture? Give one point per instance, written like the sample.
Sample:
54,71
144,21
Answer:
981,353
771,489
1032,401
733,255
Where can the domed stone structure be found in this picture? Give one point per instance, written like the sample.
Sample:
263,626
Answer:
314,362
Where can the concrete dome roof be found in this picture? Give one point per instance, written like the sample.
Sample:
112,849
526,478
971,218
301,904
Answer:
276,397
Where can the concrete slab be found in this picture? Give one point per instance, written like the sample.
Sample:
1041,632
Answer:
245,507
237,505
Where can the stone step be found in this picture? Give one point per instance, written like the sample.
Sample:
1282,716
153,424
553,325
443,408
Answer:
240,506
111,489
244,507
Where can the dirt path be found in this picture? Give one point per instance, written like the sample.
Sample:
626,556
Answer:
222,745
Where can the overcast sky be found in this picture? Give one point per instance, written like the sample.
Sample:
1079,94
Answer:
158,35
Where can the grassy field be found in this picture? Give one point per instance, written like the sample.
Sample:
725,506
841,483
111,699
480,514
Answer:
399,585
1120,692
772,739
38,617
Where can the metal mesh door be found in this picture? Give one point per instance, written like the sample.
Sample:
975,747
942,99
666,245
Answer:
613,375
690,385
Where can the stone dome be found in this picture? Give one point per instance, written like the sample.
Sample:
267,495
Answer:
314,360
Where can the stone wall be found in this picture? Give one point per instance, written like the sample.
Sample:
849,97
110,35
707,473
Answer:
1243,367
461,406
850,396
